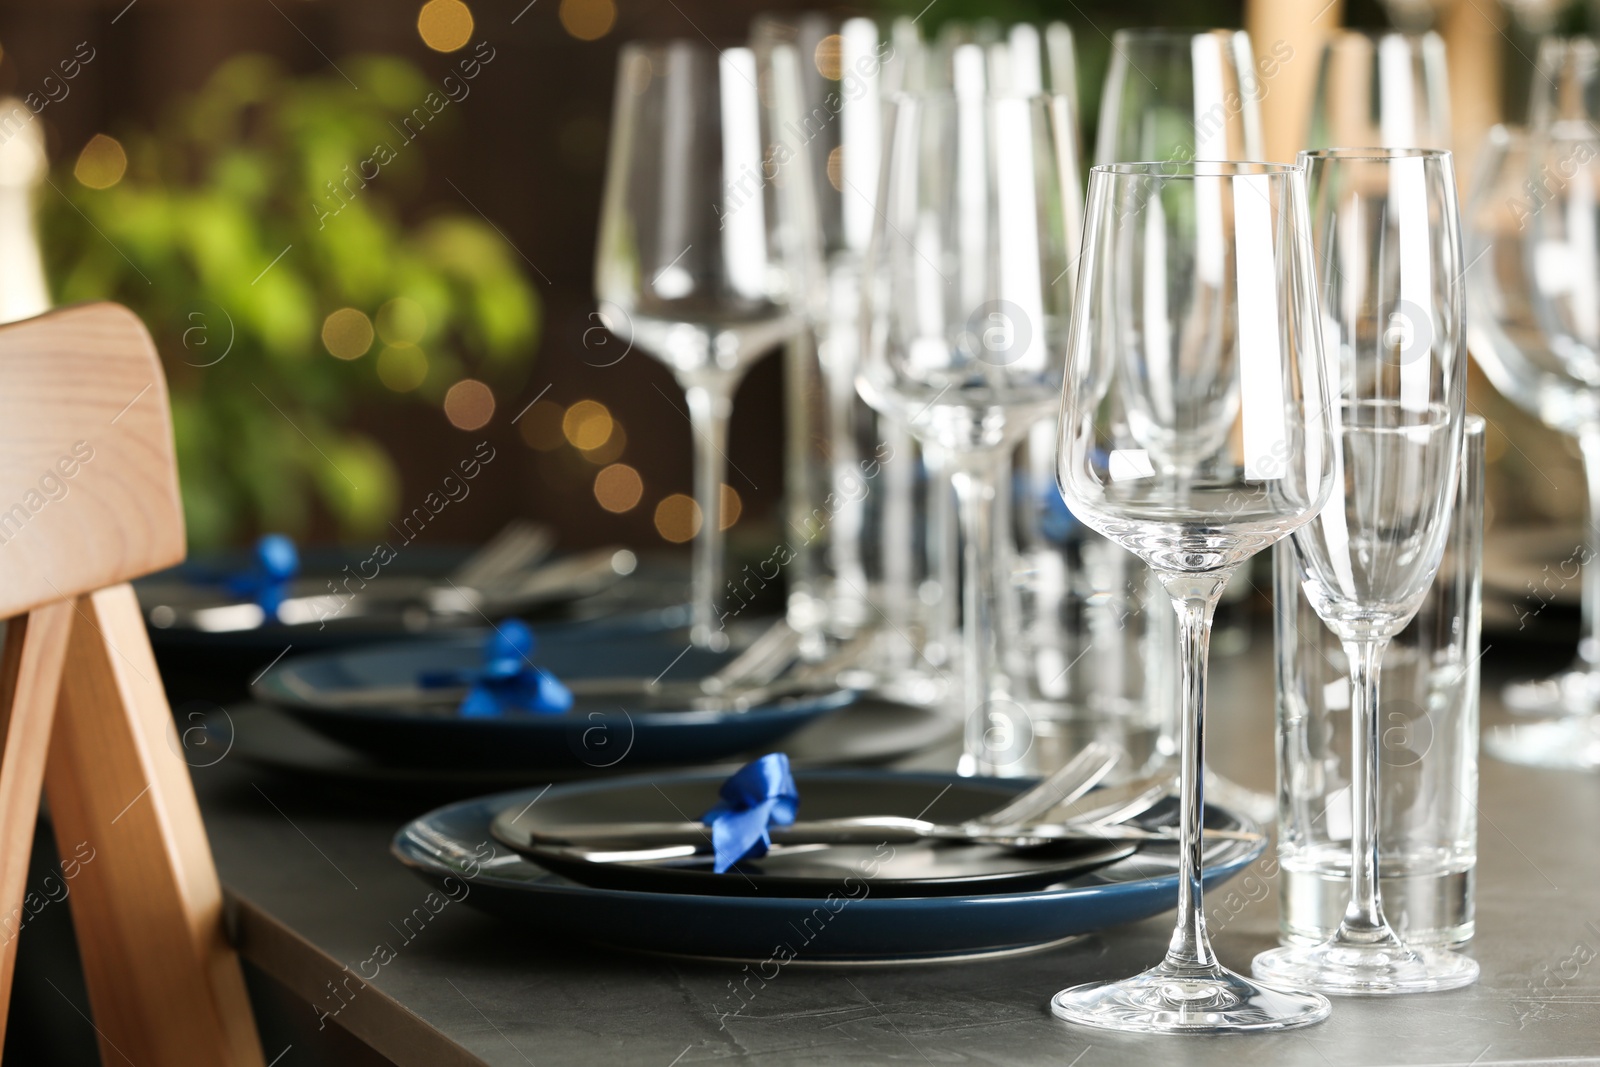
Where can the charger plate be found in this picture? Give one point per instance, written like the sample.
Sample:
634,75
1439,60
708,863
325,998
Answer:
453,847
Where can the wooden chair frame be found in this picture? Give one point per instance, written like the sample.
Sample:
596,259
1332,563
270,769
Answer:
88,501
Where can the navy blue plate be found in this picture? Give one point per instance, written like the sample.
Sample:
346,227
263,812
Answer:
597,733
452,847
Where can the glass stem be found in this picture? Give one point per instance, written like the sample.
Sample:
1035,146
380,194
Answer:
1589,639
1194,598
991,731
1364,923
710,403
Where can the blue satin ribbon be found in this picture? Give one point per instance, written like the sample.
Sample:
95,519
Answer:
272,569
758,796
507,681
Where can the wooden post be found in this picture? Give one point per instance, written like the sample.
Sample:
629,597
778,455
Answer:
1303,26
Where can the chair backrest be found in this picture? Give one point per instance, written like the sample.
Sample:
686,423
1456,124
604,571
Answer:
88,477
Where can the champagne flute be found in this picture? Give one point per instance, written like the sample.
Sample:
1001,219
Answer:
1384,89
965,344
689,267
1195,433
1387,235
1179,95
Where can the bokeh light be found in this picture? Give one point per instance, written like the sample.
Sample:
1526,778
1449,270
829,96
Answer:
729,507
836,168
618,488
347,334
587,425
829,56
402,322
541,426
677,518
469,404
102,163
445,25
402,367
588,20
611,450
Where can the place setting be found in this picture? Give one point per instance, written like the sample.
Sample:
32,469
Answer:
1056,538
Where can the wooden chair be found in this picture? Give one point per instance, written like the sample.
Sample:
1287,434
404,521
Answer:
88,501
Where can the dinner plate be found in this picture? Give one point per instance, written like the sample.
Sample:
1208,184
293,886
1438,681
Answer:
452,847
916,869
868,732
599,732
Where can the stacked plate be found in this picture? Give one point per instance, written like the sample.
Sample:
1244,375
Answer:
893,901
361,715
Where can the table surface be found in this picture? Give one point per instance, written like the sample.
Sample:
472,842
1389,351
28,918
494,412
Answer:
313,890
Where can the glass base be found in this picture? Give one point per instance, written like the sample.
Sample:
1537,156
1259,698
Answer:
1165,1000
1570,744
1575,691
1363,970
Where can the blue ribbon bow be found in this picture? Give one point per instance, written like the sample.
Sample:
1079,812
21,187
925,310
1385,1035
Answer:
758,796
273,567
507,681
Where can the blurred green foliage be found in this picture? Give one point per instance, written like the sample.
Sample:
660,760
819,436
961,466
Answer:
233,176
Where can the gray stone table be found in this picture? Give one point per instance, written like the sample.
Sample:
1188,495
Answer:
313,890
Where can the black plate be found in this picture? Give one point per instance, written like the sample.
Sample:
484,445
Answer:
919,869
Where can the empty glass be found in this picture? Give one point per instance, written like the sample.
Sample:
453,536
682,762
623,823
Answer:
1195,434
1179,95
689,268
1532,270
1388,243
1387,90
1566,82
1428,723
967,342
826,79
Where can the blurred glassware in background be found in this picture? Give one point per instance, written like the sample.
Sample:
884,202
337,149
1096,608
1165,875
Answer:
1381,90
1428,723
1195,433
1177,95
966,335
1534,276
690,267
1566,82
1386,233
825,82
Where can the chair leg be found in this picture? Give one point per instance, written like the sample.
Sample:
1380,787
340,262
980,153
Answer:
165,987
30,677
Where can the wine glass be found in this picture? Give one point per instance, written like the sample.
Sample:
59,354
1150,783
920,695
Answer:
1195,433
1387,236
1533,276
1557,386
1179,95
1384,89
689,267
1566,82
966,340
